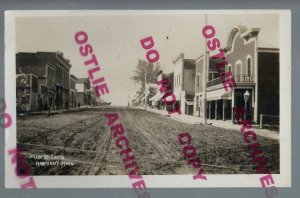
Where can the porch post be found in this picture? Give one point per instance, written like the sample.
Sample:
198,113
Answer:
232,105
187,106
224,109
216,109
209,109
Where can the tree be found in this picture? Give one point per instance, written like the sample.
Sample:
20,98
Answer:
142,68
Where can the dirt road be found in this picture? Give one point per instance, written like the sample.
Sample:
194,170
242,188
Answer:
84,139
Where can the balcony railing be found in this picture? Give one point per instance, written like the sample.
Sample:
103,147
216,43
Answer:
214,82
237,78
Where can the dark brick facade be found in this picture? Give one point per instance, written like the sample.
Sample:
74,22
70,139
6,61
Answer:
268,83
53,71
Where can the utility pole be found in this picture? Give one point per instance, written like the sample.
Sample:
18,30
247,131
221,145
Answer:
205,68
145,91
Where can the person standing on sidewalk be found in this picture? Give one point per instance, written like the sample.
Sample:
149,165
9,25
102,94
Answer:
49,106
40,101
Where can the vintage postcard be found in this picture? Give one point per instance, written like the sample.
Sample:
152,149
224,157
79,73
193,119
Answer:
147,99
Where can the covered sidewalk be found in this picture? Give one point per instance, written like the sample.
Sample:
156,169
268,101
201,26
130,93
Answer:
217,123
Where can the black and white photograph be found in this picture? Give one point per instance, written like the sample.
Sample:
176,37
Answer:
151,93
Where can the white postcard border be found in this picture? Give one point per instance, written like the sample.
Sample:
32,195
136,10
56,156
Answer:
154,181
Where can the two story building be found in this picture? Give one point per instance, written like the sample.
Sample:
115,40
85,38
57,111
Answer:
72,91
256,71
184,83
83,95
53,72
157,98
27,94
212,73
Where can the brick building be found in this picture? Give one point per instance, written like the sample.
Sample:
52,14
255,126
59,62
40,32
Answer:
53,72
27,94
72,91
256,71
184,83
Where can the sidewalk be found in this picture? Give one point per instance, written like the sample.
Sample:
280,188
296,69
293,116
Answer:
188,119
56,111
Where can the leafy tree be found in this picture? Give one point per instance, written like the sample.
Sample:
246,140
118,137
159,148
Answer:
142,68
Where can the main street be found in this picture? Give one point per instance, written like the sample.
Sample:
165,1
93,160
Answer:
83,138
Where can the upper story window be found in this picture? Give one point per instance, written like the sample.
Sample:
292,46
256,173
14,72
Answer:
238,68
198,80
249,66
229,68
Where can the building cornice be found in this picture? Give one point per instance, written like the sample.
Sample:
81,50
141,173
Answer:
269,50
181,55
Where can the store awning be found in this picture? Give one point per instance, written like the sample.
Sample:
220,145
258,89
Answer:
227,95
189,102
157,97
219,95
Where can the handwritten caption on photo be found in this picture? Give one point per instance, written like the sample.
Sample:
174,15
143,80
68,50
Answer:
50,160
22,169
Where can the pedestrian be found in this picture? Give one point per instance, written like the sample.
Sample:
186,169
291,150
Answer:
67,105
46,106
49,107
78,104
40,101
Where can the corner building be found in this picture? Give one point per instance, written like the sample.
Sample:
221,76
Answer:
53,72
255,69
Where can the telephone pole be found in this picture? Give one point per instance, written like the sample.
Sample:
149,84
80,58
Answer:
145,91
205,68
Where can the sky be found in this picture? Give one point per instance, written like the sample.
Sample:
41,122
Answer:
116,41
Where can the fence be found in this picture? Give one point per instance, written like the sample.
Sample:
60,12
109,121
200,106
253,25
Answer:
270,121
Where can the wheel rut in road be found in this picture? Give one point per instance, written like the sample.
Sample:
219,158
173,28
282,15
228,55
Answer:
158,152
82,136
